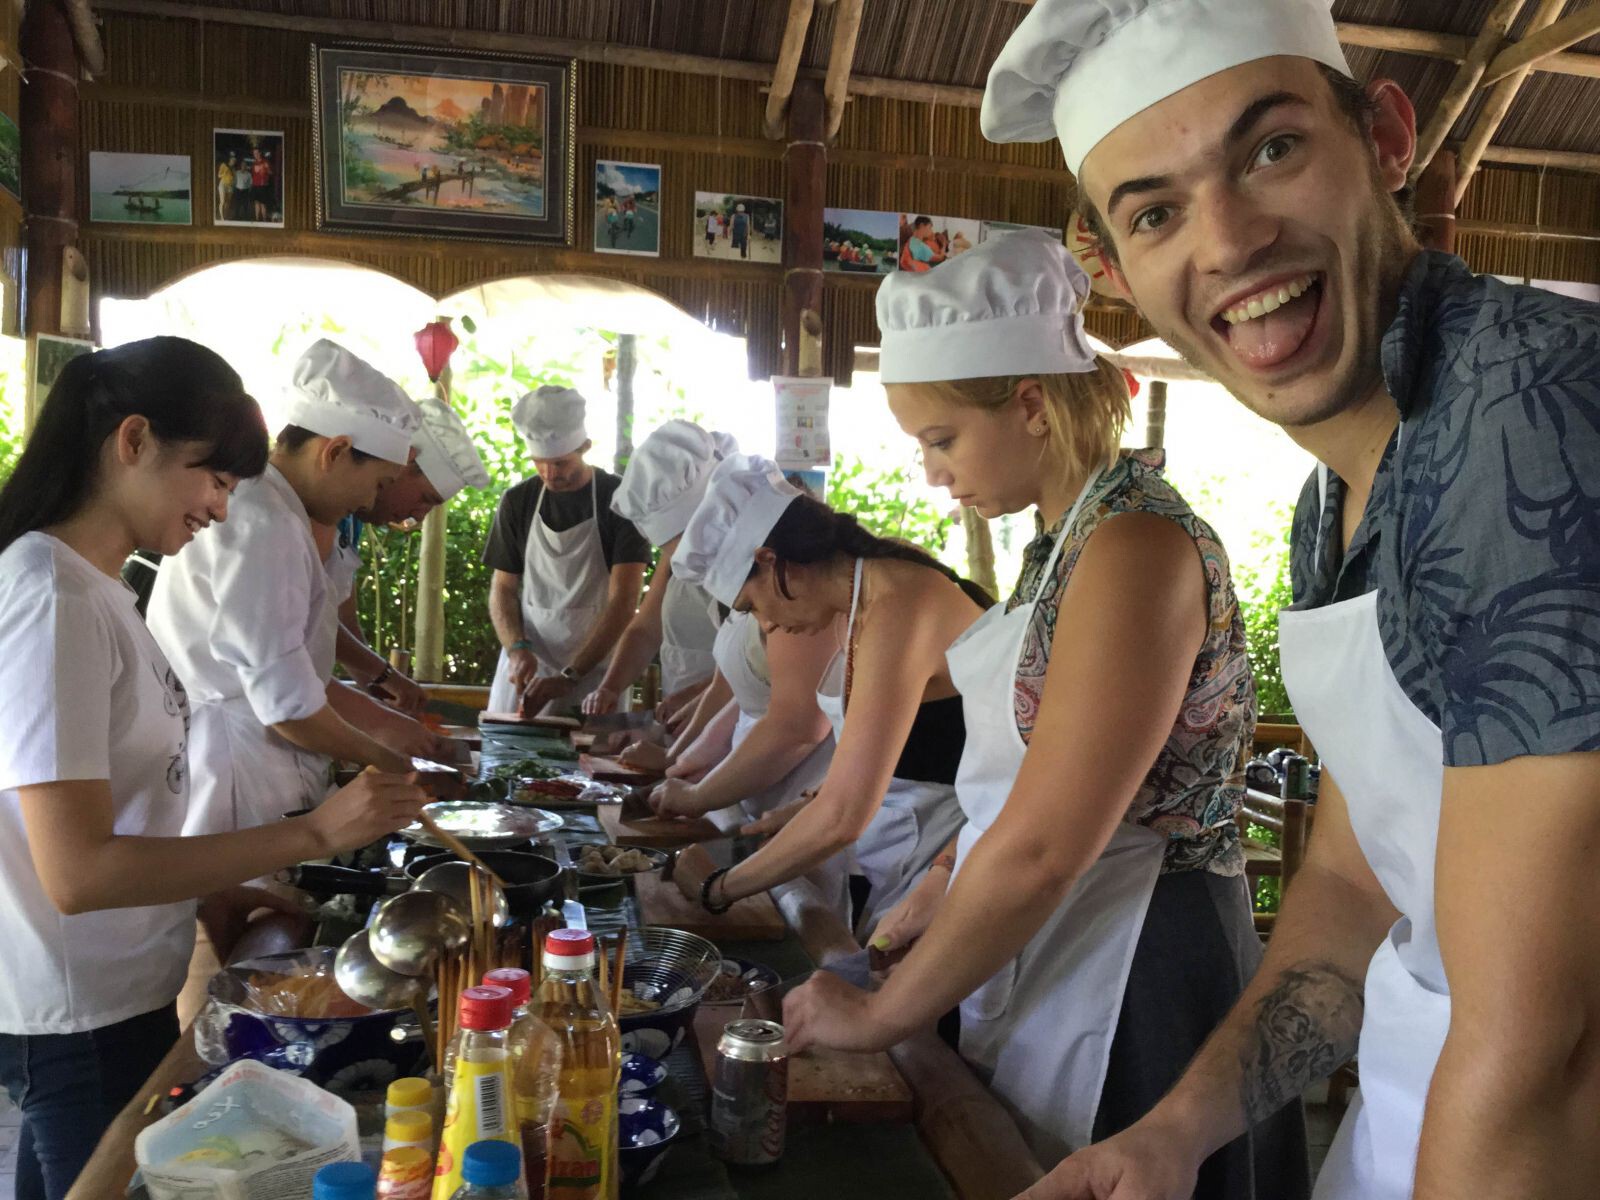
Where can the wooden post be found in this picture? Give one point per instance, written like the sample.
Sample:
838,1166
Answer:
50,150
783,74
1497,103
1436,203
1155,416
627,364
980,551
1491,36
806,169
427,659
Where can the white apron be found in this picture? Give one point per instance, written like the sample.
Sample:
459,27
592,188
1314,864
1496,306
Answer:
1040,1029
913,824
564,587
1388,759
249,775
688,634
343,564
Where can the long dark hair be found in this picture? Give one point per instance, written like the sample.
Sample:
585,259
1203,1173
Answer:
186,392
811,532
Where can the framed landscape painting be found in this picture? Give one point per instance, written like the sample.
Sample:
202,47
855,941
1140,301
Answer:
415,142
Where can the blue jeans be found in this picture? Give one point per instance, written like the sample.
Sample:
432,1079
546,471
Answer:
69,1086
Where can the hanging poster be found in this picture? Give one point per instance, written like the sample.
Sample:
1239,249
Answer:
859,242
802,408
743,228
925,241
999,229
247,167
627,208
141,189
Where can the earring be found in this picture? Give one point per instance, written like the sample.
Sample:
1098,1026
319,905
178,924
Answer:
1039,429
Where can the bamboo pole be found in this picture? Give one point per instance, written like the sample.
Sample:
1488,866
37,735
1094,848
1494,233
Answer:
783,74
1565,160
846,29
980,551
1491,37
1436,204
1155,420
1550,40
1498,104
427,660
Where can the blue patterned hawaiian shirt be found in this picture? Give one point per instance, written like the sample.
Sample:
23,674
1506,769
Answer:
1482,533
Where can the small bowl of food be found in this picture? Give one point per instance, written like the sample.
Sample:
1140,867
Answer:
665,974
604,863
646,1130
738,980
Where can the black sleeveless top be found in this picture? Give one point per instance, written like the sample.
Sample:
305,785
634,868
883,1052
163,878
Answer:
933,747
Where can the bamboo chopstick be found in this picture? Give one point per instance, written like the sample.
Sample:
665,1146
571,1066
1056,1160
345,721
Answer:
616,975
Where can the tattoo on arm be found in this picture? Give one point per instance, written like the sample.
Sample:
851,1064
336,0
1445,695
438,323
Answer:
1306,1027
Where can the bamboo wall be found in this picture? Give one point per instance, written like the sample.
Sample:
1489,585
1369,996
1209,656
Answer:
170,82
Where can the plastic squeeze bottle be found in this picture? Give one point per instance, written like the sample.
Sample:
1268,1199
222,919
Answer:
490,1171
480,1105
535,1076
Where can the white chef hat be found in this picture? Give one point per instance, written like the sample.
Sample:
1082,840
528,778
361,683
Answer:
336,394
666,478
744,499
551,421
445,453
1009,306
1076,69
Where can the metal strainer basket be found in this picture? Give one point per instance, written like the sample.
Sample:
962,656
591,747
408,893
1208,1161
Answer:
669,967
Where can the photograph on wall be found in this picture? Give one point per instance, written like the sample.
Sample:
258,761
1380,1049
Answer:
999,229
140,189
860,242
741,228
627,208
924,242
413,142
10,157
248,167
50,355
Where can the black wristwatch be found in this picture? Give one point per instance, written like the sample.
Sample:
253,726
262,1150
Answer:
570,674
715,910
377,680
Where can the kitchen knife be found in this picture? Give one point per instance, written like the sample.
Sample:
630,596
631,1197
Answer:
571,910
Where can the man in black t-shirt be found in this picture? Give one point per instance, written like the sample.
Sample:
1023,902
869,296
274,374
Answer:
567,570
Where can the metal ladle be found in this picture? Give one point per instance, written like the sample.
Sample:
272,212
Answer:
410,933
367,981
453,879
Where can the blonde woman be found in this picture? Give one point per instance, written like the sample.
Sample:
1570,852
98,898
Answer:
1096,924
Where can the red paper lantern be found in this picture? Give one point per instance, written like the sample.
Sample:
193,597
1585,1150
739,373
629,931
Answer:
436,343
1133,384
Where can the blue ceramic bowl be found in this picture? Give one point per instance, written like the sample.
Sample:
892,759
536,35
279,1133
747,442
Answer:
641,1076
648,1129
347,1055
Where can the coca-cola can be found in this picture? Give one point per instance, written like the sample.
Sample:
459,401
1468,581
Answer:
750,1093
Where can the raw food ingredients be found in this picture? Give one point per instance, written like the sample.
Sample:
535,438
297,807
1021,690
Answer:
524,768
550,789
614,860
725,988
559,754
633,1005
311,992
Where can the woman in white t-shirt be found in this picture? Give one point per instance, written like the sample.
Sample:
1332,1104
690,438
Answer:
137,446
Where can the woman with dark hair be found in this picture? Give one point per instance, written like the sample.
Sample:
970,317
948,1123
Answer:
761,546
137,446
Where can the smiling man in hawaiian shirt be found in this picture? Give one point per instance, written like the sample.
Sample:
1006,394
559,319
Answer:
1443,653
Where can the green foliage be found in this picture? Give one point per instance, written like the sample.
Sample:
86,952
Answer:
1262,593
358,170
878,499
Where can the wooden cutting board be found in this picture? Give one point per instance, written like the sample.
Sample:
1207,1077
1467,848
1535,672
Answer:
753,919
824,1085
564,724
612,770
625,825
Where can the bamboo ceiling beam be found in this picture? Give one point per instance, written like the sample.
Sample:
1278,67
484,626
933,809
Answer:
836,88
1498,103
1489,42
1568,31
783,74
1561,160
